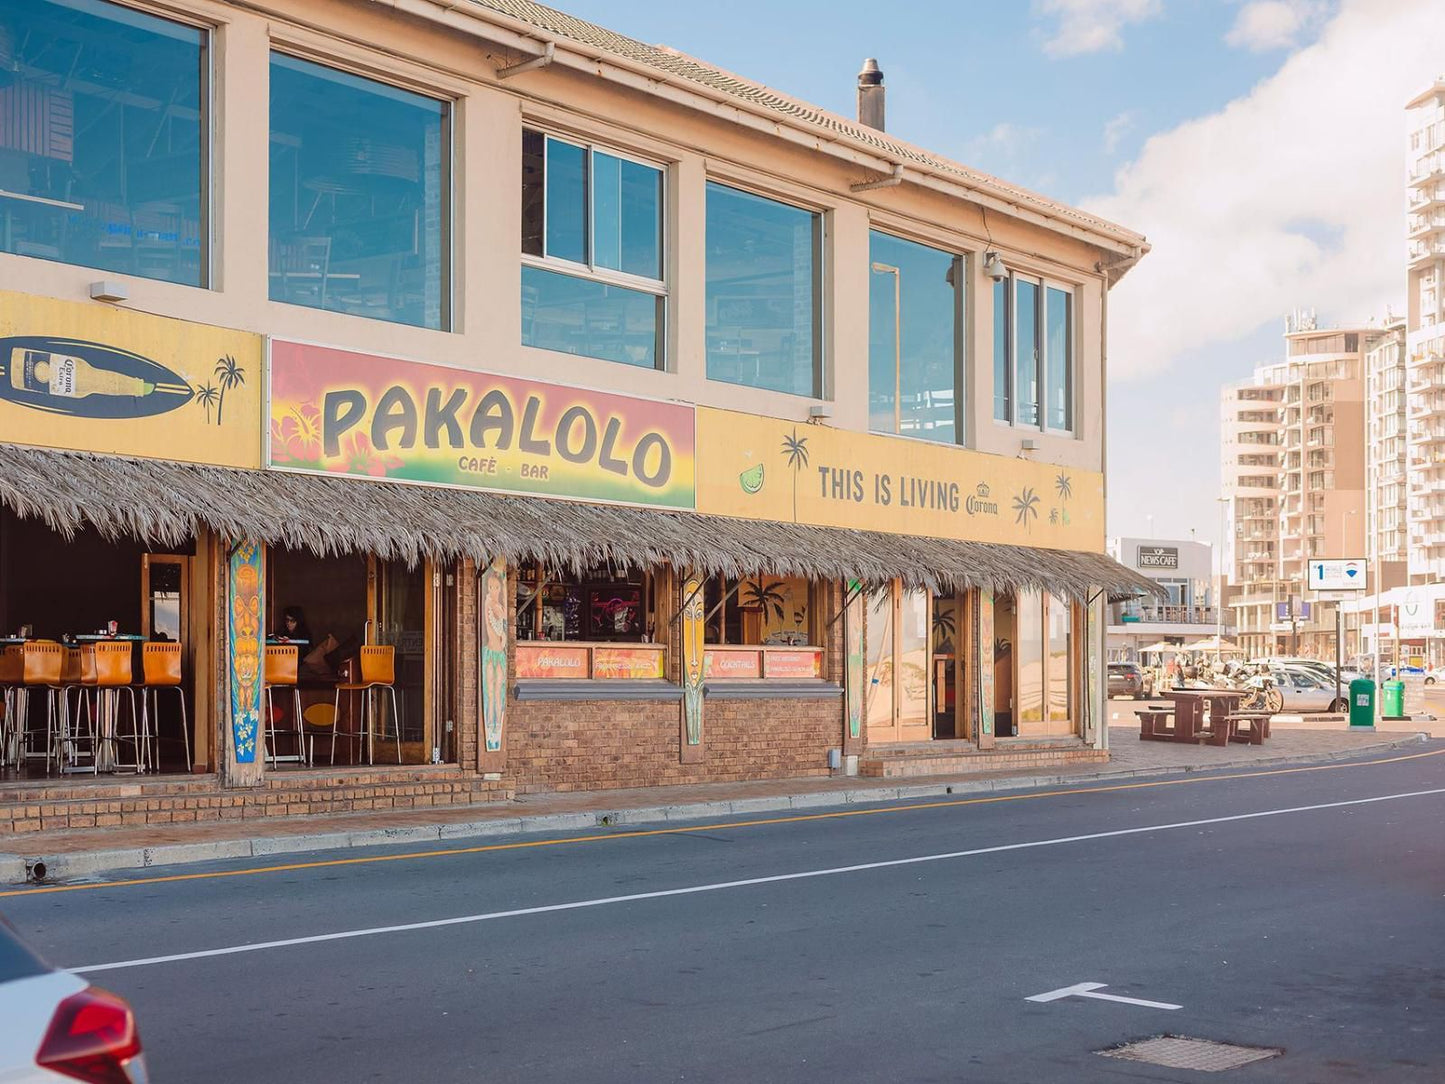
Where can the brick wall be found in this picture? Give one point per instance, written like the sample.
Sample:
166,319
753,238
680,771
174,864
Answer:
604,744
51,806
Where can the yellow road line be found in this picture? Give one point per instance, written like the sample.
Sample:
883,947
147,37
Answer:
713,827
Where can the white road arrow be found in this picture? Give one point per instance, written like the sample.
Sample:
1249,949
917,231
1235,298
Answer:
1089,989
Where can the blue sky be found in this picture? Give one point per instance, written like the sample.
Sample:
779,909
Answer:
1258,143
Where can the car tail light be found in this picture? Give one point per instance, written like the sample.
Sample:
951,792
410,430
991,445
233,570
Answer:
93,1037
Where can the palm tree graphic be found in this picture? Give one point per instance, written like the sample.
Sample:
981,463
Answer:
795,448
765,596
230,376
1064,485
1026,506
206,396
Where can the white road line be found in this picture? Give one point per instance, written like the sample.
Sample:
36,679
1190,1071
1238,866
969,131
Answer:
1089,989
721,886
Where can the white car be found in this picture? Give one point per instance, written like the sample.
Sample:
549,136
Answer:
55,1026
1304,689
1435,676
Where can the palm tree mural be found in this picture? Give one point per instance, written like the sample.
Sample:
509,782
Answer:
758,595
1064,486
230,375
944,626
795,449
1026,507
207,397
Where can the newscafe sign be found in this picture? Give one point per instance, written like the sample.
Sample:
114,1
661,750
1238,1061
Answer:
343,412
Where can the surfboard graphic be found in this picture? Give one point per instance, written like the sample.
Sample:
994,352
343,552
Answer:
86,379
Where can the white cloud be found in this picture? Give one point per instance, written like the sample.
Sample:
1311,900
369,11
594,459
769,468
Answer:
1262,25
1090,26
1117,129
1292,195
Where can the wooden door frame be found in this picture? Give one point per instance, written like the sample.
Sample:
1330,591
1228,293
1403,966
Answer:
431,696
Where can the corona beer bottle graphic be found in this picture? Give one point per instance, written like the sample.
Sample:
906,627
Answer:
86,379
69,376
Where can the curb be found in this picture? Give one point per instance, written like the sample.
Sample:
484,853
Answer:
16,868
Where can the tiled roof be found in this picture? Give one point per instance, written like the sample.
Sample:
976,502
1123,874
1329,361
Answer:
670,62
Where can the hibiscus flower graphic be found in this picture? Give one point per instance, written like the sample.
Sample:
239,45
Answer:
358,456
296,435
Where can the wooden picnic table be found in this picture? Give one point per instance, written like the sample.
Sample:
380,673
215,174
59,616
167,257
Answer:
1189,712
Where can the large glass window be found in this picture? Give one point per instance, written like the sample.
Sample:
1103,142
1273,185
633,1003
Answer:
914,346
359,219
763,295
1059,358
102,138
592,252
1026,351
1033,354
1002,379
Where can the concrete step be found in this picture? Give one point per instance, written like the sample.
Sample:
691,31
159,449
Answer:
963,758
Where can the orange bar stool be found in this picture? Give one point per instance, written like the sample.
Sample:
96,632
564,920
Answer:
12,678
283,663
112,678
378,675
44,660
77,741
161,672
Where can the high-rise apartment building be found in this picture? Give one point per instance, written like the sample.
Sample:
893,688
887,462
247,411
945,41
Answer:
1387,453
1316,506
1425,333
1249,469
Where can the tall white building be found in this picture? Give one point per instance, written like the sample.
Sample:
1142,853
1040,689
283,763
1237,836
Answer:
1387,457
1425,333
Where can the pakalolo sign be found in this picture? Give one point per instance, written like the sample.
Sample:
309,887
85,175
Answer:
343,412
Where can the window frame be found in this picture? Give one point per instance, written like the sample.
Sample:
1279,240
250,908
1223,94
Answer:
660,287
821,281
1043,283
206,201
962,261
447,243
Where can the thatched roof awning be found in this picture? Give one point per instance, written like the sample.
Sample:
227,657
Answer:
167,503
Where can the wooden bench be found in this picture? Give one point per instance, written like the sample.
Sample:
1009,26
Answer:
1249,727
1156,724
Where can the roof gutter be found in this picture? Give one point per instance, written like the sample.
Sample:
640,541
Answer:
482,22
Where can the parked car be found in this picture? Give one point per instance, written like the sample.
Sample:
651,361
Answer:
1130,679
55,1026
1434,677
1304,689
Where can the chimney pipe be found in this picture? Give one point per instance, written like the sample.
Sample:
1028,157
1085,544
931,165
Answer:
870,95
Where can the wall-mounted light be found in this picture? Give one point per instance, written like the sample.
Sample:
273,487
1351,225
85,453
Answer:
993,266
106,290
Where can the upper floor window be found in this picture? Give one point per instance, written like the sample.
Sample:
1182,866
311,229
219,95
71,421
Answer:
915,345
103,138
592,252
1033,354
764,310
359,205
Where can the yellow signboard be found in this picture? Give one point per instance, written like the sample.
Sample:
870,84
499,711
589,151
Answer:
766,468
96,378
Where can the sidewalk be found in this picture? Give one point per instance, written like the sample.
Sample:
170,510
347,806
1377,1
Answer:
82,853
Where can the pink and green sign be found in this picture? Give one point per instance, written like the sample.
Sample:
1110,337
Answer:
343,412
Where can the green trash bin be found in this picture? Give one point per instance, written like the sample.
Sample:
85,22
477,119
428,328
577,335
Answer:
1393,702
1362,702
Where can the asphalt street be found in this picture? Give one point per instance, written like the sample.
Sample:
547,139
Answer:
1298,910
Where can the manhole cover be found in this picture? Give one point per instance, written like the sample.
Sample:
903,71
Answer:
1177,1052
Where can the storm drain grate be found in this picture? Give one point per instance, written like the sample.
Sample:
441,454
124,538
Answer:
1177,1052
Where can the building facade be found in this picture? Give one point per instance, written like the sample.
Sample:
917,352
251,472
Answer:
1425,331
600,418
1319,505
1250,483
1186,610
